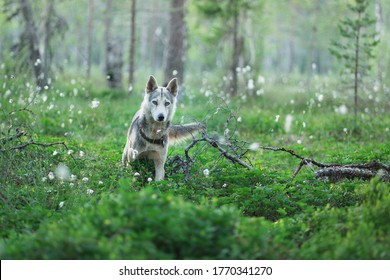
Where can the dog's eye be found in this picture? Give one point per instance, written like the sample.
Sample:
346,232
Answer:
154,102
167,103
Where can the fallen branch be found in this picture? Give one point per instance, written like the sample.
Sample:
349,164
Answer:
215,144
336,172
33,143
17,134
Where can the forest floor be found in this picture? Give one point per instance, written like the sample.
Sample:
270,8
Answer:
77,201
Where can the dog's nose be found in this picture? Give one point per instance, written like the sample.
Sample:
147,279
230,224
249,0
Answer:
161,118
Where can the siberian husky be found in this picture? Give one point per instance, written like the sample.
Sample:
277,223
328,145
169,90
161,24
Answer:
151,130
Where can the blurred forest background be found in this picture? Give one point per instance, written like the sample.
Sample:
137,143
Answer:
117,44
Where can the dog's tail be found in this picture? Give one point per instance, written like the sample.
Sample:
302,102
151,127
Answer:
178,133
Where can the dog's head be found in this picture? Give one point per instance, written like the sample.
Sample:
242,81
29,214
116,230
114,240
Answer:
161,101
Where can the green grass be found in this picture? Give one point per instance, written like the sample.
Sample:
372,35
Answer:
233,213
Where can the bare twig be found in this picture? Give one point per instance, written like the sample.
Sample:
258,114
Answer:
18,134
215,144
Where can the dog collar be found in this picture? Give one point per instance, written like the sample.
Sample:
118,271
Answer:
159,141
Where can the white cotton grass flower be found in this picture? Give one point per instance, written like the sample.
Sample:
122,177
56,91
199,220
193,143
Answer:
85,179
288,123
254,146
251,84
51,176
90,191
342,110
95,103
61,204
260,79
206,172
62,172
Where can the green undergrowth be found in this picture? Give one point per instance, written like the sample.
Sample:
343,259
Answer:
79,202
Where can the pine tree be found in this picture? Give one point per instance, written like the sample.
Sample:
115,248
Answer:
355,49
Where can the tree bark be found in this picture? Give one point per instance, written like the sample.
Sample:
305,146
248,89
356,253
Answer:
47,54
114,52
33,44
174,64
132,46
89,37
236,54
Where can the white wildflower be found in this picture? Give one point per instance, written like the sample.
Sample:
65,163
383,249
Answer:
85,179
299,141
288,122
73,177
342,110
260,79
100,182
136,174
50,176
150,180
70,152
81,153
44,179
62,171
71,185
224,185
239,119
251,84
254,146
95,103
90,191
277,118
174,72
206,172
61,204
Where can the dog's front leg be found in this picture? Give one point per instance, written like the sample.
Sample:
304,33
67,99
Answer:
159,167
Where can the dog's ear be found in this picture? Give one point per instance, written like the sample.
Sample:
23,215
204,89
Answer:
151,85
172,86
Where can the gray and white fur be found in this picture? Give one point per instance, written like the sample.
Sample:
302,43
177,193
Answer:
151,132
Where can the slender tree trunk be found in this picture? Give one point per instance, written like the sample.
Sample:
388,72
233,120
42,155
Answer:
236,54
33,44
132,46
356,70
114,52
89,37
174,65
47,55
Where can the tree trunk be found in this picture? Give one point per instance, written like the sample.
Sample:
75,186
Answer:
47,54
33,44
132,46
89,37
236,54
114,52
356,70
174,64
